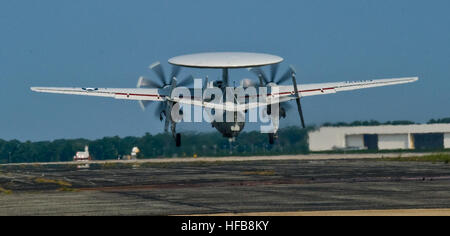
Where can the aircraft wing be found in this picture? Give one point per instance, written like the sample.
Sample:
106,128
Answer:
142,94
282,94
326,88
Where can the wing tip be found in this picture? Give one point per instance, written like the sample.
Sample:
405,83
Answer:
411,79
406,79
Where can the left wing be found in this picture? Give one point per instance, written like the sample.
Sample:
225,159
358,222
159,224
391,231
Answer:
143,94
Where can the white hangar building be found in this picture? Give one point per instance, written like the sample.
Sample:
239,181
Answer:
383,137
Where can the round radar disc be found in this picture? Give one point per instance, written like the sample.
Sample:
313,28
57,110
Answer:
225,60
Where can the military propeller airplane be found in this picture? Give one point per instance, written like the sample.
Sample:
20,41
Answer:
274,93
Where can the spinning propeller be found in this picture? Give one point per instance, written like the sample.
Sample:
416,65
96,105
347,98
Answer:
163,83
266,81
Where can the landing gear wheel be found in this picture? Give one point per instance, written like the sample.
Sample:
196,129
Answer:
178,140
271,139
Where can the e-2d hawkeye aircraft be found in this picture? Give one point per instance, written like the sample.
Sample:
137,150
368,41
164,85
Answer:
161,91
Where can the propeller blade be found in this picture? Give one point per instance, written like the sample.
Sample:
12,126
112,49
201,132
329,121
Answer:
173,83
299,105
273,71
248,83
145,83
186,81
286,75
260,73
300,112
157,68
168,109
159,109
205,83
286,105
292,68
144,104
175,71
166,125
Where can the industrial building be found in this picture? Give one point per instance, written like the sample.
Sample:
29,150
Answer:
83,156
383,137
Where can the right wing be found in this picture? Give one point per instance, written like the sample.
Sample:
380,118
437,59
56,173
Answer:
280,94
325,88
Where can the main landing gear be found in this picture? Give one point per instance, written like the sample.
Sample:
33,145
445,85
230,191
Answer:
175,135
178,140
272,138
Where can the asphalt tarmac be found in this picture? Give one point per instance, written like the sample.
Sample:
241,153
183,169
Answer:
223,187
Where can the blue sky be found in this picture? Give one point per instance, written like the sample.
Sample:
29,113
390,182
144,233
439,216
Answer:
111,43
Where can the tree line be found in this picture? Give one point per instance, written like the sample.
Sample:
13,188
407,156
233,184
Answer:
377,123
291,140
440,121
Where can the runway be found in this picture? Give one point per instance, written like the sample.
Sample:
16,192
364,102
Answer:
284,186
390,212
300,157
